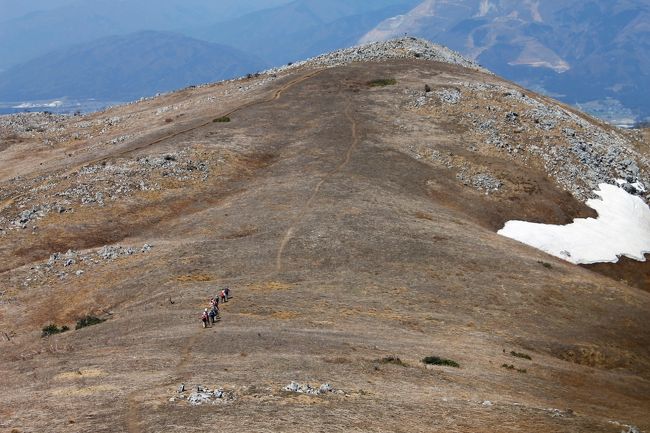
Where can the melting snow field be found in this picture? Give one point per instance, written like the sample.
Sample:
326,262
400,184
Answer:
621,229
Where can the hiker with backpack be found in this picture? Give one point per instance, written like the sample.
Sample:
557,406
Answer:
210,316
205,318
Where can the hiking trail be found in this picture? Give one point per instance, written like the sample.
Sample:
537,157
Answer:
133,403
348,155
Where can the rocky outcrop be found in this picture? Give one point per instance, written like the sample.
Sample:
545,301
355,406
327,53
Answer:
402,48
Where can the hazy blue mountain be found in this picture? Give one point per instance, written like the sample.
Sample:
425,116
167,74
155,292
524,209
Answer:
595,53
303,28
46,28
10,9
124,68
578,50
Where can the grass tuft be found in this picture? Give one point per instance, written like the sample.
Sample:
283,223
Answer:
435,360
381,82
222,119
88,321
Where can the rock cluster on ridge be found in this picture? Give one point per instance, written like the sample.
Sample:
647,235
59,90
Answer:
401,48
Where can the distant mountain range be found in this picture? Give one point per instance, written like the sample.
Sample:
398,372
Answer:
46,27
124,68
303,28
591,53
579,51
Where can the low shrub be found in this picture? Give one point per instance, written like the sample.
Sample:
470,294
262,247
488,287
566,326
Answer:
435,360
546,265
222,119
52,329
88,321
520,355
382,82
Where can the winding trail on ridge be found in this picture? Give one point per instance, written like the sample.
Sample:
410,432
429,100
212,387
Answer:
181,375
296,220
133,398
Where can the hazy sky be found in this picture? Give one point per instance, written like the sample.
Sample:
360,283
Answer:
10,9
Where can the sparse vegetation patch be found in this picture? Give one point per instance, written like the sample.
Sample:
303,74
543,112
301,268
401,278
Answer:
381,82
520,355
545,264
512,367
52,329
435,360
222,119
392,359
88,321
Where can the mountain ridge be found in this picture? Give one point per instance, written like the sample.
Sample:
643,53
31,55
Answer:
564,48
351,204
125,67
81,21
589,54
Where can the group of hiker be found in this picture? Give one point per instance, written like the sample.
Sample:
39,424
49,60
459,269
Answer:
211,314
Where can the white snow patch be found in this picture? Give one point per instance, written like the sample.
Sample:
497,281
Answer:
621,229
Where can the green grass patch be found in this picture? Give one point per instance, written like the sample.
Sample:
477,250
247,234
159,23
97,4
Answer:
52,329
545,264
88,321
222,119
435,360
520,355
381,82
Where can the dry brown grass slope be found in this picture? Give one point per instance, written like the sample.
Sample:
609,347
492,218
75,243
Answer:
339,215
